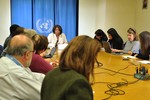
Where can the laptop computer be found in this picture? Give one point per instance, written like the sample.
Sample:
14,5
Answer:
50,55
107,48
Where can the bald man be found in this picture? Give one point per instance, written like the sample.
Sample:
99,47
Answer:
17,82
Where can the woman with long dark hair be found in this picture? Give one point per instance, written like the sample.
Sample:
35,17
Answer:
100,36
115,40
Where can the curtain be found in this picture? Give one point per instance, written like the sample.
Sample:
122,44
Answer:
66,16
42,15
21,13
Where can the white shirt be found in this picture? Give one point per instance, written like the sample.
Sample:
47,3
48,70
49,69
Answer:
53,39
17,82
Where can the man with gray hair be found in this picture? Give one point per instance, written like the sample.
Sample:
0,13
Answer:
16,79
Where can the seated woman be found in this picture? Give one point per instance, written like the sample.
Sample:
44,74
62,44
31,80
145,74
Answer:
115,40
71,80
14,30
100,36
145,46
57,36
132,45
38,64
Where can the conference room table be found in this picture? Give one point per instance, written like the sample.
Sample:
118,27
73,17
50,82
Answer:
114,78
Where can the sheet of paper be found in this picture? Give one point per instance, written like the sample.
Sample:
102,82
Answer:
145,62
128,56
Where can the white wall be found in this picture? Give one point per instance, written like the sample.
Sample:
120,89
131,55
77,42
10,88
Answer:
101,14
120,14
4,20
142,17
87,17
104,14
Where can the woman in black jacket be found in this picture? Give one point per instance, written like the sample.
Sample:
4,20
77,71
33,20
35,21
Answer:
100,36
115,40
145,45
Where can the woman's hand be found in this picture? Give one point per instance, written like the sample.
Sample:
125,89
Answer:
115,50
54,63
130,52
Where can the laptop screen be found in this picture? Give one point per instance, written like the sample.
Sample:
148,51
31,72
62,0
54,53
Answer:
106,46
52,51
50,55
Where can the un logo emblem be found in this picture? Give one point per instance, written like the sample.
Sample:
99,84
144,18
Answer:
44,25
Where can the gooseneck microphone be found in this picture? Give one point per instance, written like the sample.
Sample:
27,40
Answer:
56,44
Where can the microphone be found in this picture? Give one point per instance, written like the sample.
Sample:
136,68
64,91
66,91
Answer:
56,44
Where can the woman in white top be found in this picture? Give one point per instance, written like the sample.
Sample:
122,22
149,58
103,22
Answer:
132,45
57,36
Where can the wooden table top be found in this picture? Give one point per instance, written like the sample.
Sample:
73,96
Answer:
117,72
121,73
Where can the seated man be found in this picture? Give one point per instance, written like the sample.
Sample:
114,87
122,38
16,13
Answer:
16,79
